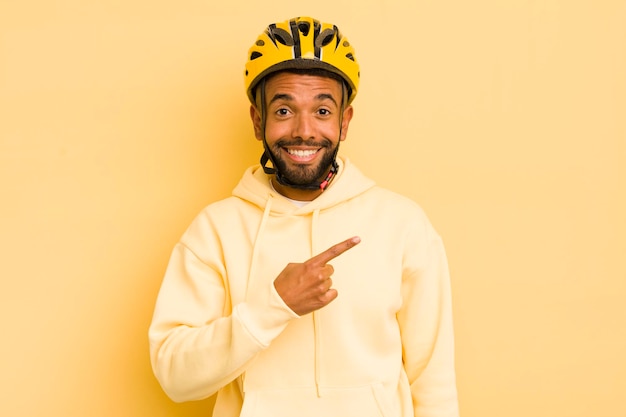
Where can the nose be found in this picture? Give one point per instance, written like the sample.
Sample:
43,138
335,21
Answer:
303,127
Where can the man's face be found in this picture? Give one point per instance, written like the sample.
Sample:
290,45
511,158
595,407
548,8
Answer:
303,124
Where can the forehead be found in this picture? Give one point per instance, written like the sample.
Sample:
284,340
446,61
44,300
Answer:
302,85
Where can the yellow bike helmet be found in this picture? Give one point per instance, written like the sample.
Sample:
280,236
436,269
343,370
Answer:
301,43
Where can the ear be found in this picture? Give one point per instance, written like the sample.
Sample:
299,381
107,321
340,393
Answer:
255,115
348,112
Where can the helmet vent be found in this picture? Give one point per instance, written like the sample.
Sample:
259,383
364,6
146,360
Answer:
304,28
281,36
254,55
350,56
324,38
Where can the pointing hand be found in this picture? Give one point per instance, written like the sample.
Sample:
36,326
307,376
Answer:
306,287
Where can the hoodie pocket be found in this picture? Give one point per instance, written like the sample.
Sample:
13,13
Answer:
364,401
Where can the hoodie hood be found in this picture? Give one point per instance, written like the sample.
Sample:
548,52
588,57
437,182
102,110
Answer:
255,188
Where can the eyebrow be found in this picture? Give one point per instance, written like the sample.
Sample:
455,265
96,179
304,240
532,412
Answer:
289,97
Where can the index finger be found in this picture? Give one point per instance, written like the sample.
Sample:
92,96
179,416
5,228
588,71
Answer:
334,251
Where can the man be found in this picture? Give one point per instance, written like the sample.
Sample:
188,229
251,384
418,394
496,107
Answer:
310,291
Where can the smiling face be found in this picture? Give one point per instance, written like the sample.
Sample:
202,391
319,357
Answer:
303,127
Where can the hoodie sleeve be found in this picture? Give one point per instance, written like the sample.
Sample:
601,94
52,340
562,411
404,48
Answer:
426,325
198,342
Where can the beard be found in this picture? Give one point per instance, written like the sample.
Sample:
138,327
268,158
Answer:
303,174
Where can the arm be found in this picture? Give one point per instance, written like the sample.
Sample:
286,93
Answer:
197,343
426,326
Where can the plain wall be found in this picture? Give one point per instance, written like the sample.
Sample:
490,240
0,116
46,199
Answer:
505,120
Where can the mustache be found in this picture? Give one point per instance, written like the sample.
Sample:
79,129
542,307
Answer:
283,143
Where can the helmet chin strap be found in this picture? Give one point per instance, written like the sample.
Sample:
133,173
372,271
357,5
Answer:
267,155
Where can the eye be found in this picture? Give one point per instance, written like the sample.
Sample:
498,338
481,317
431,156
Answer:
282,111
324,112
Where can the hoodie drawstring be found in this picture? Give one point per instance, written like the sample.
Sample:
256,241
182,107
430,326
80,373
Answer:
253,262
314,250
315,314
255,245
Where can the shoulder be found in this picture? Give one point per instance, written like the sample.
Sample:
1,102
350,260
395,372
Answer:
391,200
398,211
222,210
218,215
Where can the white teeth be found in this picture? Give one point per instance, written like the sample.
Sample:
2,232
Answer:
300,153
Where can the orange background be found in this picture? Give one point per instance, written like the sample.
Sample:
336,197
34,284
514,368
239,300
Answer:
505,120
